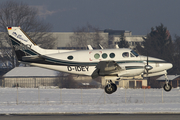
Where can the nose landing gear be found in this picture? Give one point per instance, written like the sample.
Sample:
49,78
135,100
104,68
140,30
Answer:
167,87
110,87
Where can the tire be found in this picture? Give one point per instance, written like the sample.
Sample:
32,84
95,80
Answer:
111,89
114,87
167,88
108,90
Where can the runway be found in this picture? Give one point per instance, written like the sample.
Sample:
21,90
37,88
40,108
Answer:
92,116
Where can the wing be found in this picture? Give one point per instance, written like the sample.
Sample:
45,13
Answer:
106,68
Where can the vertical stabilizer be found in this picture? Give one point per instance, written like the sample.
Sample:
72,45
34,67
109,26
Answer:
21,43
18,34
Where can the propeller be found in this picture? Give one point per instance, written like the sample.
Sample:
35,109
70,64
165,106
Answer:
147,66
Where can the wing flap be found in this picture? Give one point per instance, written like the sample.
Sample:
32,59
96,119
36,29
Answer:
106,68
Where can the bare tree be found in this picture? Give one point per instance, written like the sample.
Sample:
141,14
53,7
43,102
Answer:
20,14
87,35
123,43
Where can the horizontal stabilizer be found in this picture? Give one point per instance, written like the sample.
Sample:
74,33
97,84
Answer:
32,58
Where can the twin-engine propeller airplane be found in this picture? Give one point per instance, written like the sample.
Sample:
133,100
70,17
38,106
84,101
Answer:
100,62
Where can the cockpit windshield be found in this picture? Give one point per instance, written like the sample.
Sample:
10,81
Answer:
134,53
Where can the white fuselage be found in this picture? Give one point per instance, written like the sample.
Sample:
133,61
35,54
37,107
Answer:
84,62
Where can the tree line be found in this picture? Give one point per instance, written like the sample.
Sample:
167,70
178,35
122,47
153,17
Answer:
159,43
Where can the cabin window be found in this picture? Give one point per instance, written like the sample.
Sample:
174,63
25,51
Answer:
112,55
104,55
125,54
70,57
96,56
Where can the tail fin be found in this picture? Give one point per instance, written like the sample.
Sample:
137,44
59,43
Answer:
22,44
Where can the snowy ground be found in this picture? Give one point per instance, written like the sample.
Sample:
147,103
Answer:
34,100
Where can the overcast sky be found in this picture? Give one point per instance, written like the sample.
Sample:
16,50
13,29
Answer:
137,16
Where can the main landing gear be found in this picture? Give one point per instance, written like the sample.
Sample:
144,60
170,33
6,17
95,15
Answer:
167,87
110,87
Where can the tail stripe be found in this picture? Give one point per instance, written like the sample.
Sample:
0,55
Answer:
28,37
14,42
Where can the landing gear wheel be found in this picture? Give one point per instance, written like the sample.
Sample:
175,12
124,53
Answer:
167,87
114,87
110,88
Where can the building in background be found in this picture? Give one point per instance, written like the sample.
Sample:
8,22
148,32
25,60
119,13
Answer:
129,82
174,80
29,77
133,40
112,36
33,77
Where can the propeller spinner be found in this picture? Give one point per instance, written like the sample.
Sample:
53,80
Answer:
148,67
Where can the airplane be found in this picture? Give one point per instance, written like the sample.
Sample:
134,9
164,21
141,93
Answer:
115,63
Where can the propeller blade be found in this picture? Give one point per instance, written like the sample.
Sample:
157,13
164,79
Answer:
147,59
147,62
147,66
147,71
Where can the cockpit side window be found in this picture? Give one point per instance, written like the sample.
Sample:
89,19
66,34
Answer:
134,53
125,54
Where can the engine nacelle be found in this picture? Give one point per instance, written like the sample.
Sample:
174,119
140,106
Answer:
155,74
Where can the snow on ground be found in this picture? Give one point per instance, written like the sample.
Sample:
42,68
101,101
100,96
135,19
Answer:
34,100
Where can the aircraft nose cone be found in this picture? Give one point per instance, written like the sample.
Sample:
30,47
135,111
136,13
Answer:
169,65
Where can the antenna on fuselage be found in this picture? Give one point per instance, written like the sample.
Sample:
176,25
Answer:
89,47
117,46
101,46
